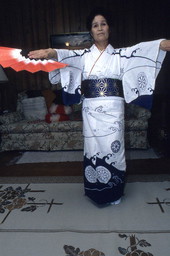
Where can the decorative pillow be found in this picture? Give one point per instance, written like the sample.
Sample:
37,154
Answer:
34,108
25,95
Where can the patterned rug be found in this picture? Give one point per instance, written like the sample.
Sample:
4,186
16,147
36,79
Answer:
57,219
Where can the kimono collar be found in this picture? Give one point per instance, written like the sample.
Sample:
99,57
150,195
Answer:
109,49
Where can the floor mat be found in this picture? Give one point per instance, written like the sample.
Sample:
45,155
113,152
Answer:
76,156
57,219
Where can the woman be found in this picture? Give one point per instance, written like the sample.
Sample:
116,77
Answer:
107,77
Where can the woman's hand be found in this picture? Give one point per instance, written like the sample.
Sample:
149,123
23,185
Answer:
43,54
165,45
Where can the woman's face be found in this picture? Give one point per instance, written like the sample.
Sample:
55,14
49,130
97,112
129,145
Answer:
100,29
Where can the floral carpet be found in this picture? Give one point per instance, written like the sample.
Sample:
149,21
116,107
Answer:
57,219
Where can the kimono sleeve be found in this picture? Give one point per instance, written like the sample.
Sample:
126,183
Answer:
140,66
70,76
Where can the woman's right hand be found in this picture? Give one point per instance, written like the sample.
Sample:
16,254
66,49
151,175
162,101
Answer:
43,54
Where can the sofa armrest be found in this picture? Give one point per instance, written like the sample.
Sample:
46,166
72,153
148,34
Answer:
9,118
133,111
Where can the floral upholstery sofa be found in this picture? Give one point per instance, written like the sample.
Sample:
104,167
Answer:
23,134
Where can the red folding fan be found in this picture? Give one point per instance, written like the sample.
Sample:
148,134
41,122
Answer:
11,57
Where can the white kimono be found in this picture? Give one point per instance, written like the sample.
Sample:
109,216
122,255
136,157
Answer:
103,117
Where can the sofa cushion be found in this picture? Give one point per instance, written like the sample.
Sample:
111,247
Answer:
66,126
24,127
136,125
26,141
9,118
66,140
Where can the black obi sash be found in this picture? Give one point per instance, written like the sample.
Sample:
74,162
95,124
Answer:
93,88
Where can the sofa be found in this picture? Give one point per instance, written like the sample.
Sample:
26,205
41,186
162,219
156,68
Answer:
22,132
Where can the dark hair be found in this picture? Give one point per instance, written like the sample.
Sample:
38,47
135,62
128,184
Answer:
98,11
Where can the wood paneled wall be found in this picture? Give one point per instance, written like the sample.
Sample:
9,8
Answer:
28,24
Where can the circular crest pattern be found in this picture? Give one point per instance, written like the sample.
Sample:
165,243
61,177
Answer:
103,174
115,146
90,174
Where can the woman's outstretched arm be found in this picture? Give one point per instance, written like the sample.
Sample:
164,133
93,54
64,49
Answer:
43,54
